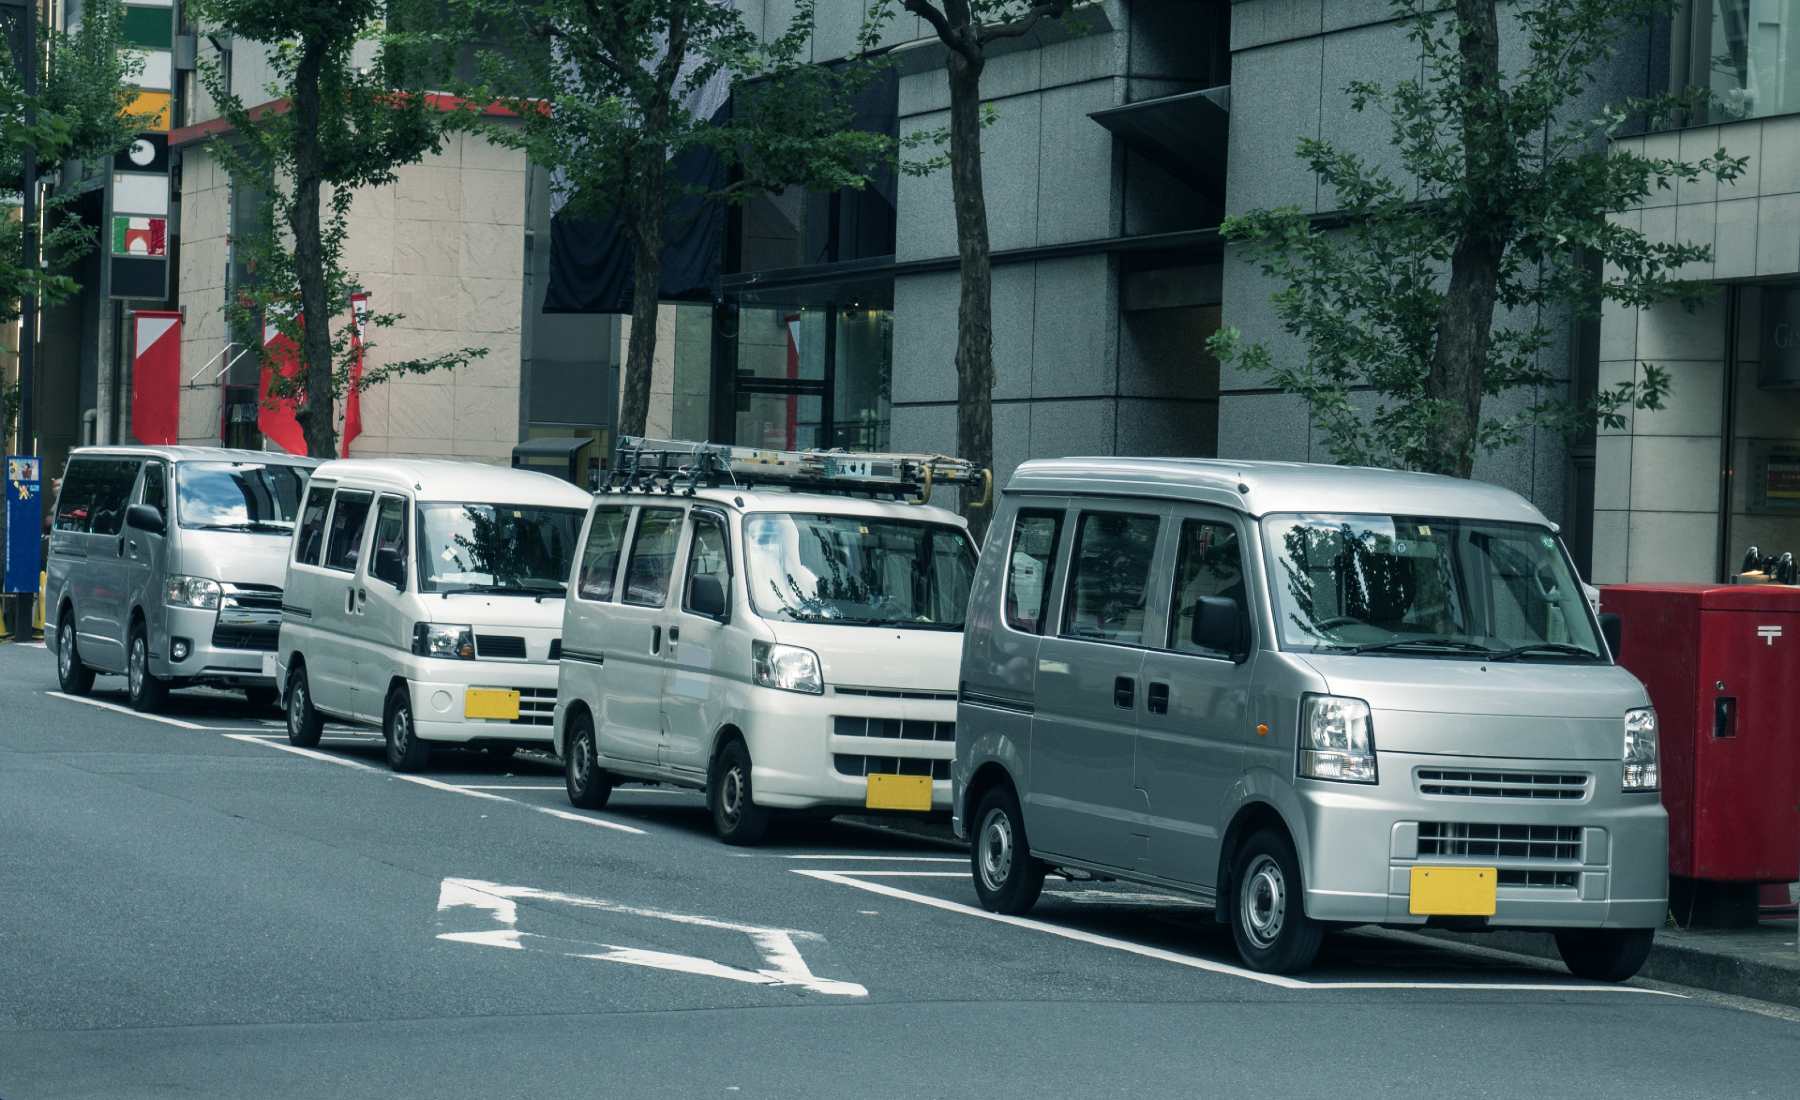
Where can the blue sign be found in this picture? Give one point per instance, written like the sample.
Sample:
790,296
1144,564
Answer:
24,523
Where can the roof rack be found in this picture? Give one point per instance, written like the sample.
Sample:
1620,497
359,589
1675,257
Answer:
677,466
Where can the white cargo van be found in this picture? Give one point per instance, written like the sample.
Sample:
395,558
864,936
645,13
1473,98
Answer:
426,598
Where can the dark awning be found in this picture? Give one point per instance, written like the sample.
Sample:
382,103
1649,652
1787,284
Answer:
1186,134
554,447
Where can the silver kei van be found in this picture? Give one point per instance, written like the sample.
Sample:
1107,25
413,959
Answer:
166,566
1314,696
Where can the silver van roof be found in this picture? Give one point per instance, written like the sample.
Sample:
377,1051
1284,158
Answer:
194,454
1265,488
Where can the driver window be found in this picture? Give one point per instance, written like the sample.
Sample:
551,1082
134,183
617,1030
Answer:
1208,562
708,557
1109,582
388,560
343,541
156,492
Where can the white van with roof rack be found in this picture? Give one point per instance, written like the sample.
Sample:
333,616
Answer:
426,598
781,629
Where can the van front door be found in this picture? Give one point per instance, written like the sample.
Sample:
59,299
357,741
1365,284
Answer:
331,665
145,562
635,636
382,626
1083,801
100,601
694,695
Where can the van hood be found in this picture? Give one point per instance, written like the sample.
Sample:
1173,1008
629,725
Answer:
881,658
1513,710
477,610
234,557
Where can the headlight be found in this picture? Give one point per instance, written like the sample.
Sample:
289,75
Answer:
456,643
787,667
1641,771
197,592
1336,739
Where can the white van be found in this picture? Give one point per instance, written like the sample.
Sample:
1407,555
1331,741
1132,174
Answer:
426,598
775,628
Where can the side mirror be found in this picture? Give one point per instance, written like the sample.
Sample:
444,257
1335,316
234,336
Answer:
1612,628
390,566
1218,625
706,596
144,517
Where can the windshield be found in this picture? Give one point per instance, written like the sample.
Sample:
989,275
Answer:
504,548
1424,586
238,496
858,570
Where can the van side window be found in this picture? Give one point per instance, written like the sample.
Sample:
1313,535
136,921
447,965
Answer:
388,552
95,493
156,488
600,557
652,557
343,539
1208,562
1030,570
709,556
312,525
75,506
1109,581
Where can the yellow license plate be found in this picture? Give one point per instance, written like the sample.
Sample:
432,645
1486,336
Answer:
899,792
499,703
1453,891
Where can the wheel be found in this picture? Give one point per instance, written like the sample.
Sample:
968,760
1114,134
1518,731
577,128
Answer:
1007,878
1268,908
405,752
589,785
304,724
736,816
260,697
72,676
500,754
1605,954
142,689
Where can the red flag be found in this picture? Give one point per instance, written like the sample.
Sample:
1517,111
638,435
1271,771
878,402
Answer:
279,423
359,312
155,375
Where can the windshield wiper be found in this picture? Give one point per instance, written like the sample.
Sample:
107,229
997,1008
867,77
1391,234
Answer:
1563,648
908,624
1425,644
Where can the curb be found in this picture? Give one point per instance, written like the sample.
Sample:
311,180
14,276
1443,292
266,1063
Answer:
1675,963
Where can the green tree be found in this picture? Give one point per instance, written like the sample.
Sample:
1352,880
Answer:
606,94
84,89
350,110
1433,291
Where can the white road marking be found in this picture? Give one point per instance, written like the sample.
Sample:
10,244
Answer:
127,711
423,781
857,880
784,965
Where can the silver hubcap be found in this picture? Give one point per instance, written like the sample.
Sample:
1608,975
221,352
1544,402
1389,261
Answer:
731,793
995,854
1262,901
139,658
65,649
402,730
581,762
296,705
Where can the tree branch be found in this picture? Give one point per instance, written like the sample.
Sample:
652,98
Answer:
1025,24
940,23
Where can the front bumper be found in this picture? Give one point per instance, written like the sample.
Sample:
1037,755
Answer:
1600,861
440,690
817,750
206,661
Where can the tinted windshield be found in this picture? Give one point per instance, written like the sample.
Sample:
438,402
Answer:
1423,586
496,548
858,571
238,496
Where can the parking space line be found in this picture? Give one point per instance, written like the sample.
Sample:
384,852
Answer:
127,711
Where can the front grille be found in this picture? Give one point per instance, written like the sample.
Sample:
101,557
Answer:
1521,843
882,693
1538,880
850,763
252,597
500,646
245,636
905,729
537,707
1475,783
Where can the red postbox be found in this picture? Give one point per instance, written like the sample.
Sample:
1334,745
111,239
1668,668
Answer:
1722,664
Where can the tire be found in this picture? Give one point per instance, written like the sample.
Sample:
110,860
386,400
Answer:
259,697
1268,907
142,689
1007,877
405,752
590,786
72,676
1605,954
304,724
736,816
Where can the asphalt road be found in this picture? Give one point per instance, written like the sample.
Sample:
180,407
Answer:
191,907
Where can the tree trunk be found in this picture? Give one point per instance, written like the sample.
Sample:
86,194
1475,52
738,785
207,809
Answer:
974,315
309,260
1466,319
645,227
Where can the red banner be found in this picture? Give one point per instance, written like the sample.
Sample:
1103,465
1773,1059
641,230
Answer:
156,375
276,419
359,315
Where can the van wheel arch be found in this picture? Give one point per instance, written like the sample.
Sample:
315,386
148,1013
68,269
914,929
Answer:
560,736
990,775
725,736
1251,818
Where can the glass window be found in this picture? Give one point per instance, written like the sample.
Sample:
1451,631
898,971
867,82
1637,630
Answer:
1109,582
238,496
780,421
1763,388
312,525
1747,52
1030,570
862,387
600,557
652,556
95,494
156,488
343,540
75,503
1426,586
508,549
709,556
389,550
1208,562
858,570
